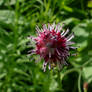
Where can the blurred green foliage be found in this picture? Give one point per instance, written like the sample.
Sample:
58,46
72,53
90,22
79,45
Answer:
19,72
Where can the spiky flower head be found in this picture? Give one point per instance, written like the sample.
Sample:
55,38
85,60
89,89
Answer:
53,45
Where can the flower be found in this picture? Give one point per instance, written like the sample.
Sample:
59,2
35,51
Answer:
53,45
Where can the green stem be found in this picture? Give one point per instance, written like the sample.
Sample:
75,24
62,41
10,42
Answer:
69,71
9,6
85,90
87,62
59,81
76,69
79,82
16,24
82,5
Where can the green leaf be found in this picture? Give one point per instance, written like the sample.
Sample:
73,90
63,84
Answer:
7,16
87,73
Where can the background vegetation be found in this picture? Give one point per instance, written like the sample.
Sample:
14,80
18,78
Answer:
19,72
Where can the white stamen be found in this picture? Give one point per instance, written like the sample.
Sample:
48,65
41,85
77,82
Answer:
69,43
49,54
44,27
37,29
65,63
31,51
62,32
58,52
74,54
44,66
41,30
70,37
31,37
73,47
53,25
48,26
58,28
49,66
66,32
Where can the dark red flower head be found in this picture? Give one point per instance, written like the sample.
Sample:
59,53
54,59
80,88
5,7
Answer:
53,45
